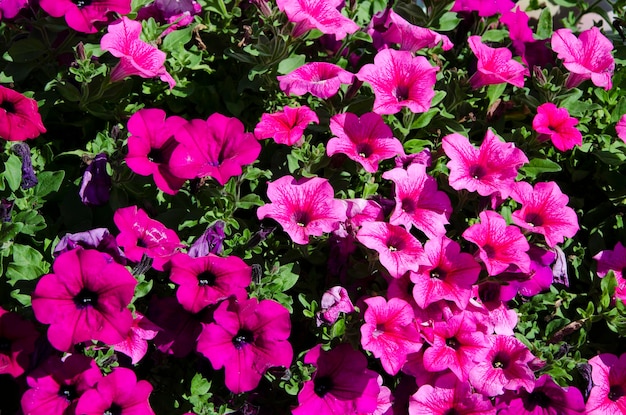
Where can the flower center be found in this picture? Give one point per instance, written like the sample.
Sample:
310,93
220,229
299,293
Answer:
616,392
452,411
81,3
533,219
301,218
408,205
243,337
115,409
477,172
364,150
489,251
401,93
7,106
206,278
68,392
5,345
156,156
500,361
453,343
540,399
322,385
438,273
86,298
394,243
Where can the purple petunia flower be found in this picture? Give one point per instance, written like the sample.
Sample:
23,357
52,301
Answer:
99,238
210,242
95,186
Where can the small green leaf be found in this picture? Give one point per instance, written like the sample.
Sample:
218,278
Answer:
49,181
287,65
544,26
13,172
494,36
494,92
28,264
539,166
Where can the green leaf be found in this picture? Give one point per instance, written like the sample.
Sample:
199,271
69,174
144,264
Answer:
13,172
539,166
544,26
28,264
249,201
495,36
177,39
49,181
32,222
424,119
287,65
494,92
200,385
447,22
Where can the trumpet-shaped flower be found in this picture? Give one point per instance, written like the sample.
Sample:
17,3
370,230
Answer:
418,202
544,211
586,57
500,245
135,345
495,65
19,116
246,339
136,56
85,298
304,208
608,394
320,79
286,126
318,14
82,15
399,80
490,169
366,139
555,124
409,36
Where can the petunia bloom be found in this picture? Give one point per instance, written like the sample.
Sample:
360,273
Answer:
334,301
210,242
10,8
608,394
98,238
483,7
495,65
19,116
85,298
246,339
408,36
177,13
365,139
555,124
136,56
82,15
315,14
399,80
286,126
586,57
135,345
95,186
17,343
304,208
320,79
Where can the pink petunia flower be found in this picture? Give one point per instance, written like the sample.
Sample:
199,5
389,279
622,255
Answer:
85,298
218,147
305,207
246,339
517,23
365,139
136,56
10,8
390,332
555,124
317,14
544,211
418,202
620,128
409,36
117,393
135,345
342,383
320,79
444,273
503,366
608,394
586,57
19,116
334,301
56,385
286,126
500,245
538,279
398,250
399,80
483,7
495,66
141,235
150,147
208,280
449,396
17,343
82,15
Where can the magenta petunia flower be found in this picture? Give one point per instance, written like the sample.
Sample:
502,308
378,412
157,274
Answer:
409,36
82,15
334,301
586,57
495,65
320,79
286,126
246,339
620,128
555,124
117,393
305,207
141,235
390,332
322,15
399,80
398,250
455,344
17,343
135,345
10,8
546,398
517,23
365,139
19,116
208,280
500,245
490,169
538,279
218,147
444,273
544,211
342,383
418,202
483,7
150,147
608,394
449,396
502,366
85,298
56,385
136,56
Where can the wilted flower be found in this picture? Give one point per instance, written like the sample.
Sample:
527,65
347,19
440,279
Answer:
6,206
29,179
96,183
210,242
82,15
99,238
334,301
